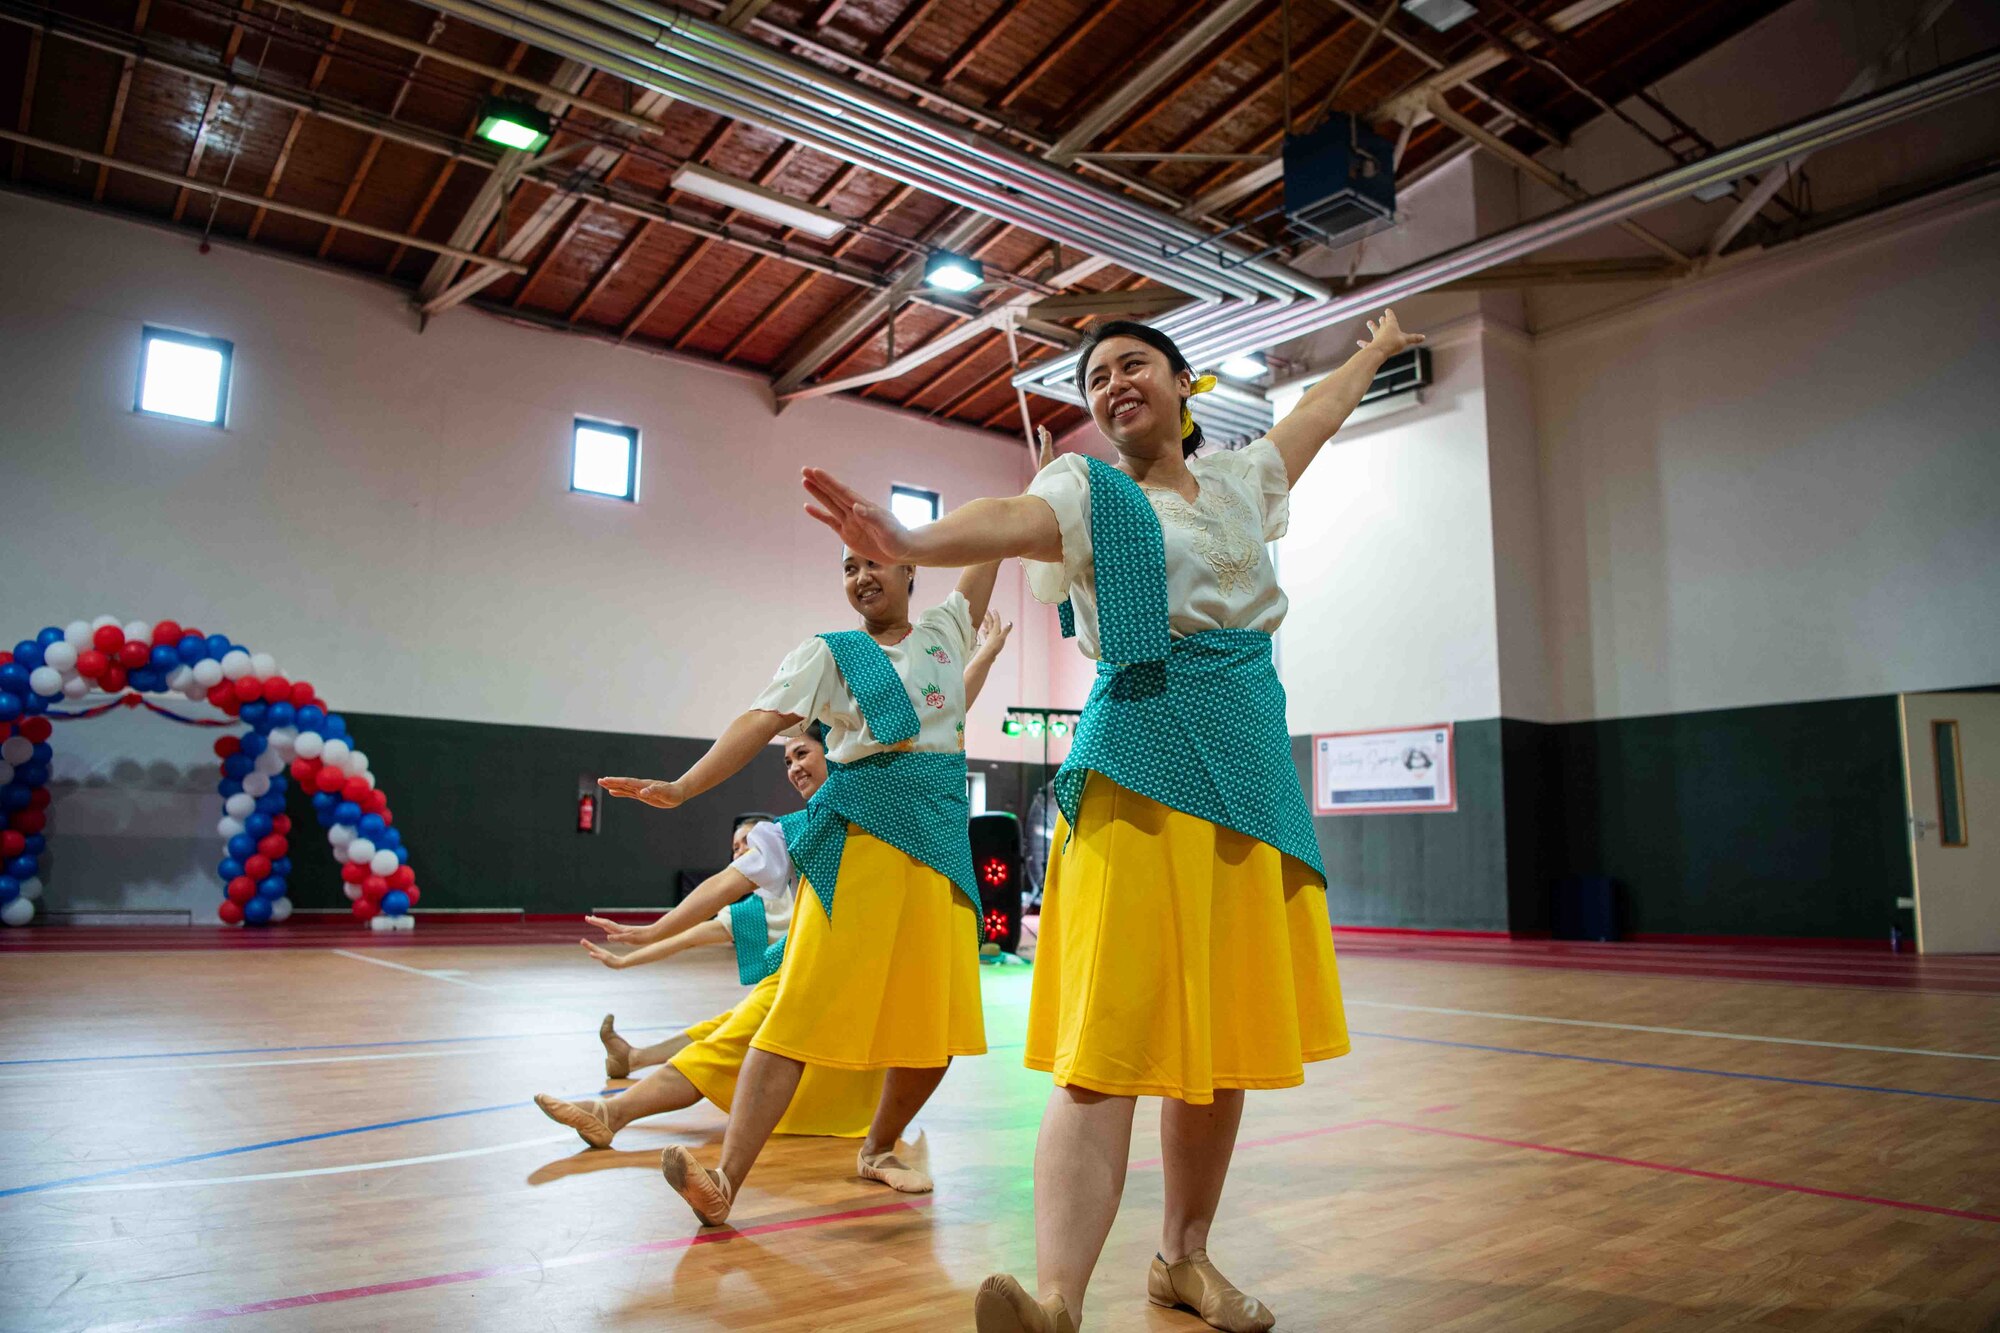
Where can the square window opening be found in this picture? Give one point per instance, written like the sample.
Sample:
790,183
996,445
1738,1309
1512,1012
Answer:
912,506
183,376
604,459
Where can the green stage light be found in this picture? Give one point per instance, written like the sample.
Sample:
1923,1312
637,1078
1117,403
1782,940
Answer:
1012,726
514,124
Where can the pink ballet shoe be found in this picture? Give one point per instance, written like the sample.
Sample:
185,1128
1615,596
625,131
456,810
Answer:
1193,1284
586,1117
707,1192
1003,1305
617,1051
893,1171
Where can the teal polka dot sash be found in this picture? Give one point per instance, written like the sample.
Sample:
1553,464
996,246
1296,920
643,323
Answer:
1195,723
871,677
757,955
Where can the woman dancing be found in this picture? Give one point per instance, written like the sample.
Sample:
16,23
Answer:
1185,951
881,971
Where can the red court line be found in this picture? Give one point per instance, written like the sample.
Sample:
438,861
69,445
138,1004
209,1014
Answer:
508,1270
1671,1169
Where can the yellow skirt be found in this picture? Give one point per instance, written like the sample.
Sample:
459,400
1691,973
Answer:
1177,957
892,981
838,1102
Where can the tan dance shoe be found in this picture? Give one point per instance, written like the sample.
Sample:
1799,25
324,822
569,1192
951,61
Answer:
892,1171
587,1117
1003,1305
617,1051
1193,1284
707,1192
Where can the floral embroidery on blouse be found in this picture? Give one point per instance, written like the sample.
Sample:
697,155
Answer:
1224,535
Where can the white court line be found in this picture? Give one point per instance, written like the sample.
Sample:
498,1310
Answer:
135,1068
1673,1032
415,971
128,1186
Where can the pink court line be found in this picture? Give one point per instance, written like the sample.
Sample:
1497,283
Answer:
508,1270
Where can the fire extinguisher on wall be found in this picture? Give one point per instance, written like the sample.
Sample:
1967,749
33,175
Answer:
586,813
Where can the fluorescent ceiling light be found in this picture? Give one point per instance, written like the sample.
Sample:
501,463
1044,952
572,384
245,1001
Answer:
514,124
1244,366
1443,15
1714,190
767,204
954,273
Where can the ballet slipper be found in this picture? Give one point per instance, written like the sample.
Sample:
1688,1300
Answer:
707,1192
1003,1305
590,1118
891,1170
1193,1284
617,1051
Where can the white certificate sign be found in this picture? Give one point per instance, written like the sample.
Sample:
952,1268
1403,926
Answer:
1377,772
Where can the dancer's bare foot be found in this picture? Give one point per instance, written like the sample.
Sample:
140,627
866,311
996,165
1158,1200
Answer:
1193,1284
1003,1305
617,1051
590,1117
905,1177
708,1192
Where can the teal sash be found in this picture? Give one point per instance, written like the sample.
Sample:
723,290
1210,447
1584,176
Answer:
757,955
1196,723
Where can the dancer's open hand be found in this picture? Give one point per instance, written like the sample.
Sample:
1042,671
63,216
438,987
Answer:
603,955
618,933
993,632
869,530
1389,337
653,791
1045,453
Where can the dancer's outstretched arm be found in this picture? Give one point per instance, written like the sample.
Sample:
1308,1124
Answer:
975,585
993,632
709,897
1327,405
972,534
740,742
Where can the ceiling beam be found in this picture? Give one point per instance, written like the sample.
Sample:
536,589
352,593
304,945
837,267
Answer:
1113,108
229,50
1134,304
375,141
898,32
739,14
444,175
126,65
1194,75
721,298
298,123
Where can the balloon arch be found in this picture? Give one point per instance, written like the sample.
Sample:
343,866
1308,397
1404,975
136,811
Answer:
291,737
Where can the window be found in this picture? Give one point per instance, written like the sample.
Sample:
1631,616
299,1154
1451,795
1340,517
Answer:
183,376
604,459
913,508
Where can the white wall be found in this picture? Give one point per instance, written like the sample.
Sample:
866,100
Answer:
387,512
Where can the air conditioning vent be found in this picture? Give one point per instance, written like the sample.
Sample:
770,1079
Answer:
1340,182
1400,373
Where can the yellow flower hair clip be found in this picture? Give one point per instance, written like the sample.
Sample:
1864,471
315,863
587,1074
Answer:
1202,384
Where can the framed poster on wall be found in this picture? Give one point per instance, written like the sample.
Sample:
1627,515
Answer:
1386,771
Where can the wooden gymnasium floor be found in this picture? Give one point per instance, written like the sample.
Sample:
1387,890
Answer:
337,1134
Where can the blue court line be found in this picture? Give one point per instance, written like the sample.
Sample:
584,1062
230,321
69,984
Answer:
1681,1069
338,1046
278,1143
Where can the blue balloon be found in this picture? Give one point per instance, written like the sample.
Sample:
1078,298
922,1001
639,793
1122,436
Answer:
311,718
282,867
237,765
271,803
34,705
32,774
395,903
271,887
10,888
147,681
257,911
392,838
217,645
44,752
282,715
49,636
192,648
10,705
229,787
229,869
325,818
13,797
371,826
257,825
336,725
253,713
14,678
253,745
22,867
347,812
325,800
242,847
165,657
37,844
28,653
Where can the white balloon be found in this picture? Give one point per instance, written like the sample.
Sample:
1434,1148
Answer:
17,750
405,922
340,834
368,778
19,912
361,851
309,745
31,888
101,622
284,737
77,634
383,863
6,773
256,783
180,678
353,892
76,688
356,763
269,762
235,664
240,806
141,630
335,752
263,664
60,655
281,909
230,827
381,923
194,693
45,680
208,673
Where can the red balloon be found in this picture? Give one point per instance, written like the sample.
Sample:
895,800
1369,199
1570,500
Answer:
112,678
12,844
330,779
374,887
29,821
134,655
305,770
355,790
231,706
281,823
91,664
255,868
166,631
363,909
221,694
242,889
38,799
353,873
226,746
37,729
274,846
5,658
190,629
109,639
376,802
302,694
230,912
248,688
277,690
402,877
415,895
